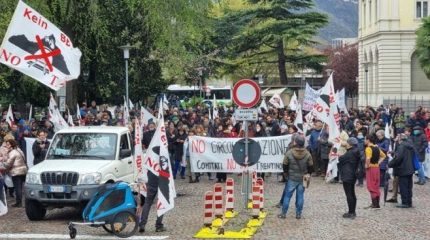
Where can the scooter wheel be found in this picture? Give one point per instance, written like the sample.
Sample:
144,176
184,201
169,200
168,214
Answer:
72,232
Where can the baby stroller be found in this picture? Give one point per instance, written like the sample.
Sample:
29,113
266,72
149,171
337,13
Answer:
113,207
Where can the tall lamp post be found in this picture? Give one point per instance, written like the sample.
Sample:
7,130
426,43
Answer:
366,70
126,50
86,76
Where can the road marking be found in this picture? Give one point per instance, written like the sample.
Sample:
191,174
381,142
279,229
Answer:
61,236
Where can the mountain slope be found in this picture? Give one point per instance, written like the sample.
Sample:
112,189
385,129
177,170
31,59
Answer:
343,18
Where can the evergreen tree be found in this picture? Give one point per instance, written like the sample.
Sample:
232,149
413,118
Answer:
272,32
423,45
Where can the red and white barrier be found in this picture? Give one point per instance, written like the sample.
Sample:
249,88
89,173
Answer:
256,200
218,200
208,210
229,188
260,182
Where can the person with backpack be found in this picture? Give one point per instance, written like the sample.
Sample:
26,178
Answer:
350,165
403,168
374,156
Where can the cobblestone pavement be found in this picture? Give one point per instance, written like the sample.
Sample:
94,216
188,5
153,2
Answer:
322,216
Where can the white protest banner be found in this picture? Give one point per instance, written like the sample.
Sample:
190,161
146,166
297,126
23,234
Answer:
215,154
341,101
37,48
310,98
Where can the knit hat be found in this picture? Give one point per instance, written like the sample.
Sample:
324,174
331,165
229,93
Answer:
352,141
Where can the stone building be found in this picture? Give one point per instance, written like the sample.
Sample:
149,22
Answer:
388,67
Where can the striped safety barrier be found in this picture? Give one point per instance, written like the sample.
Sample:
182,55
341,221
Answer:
229,188
260,182
255,200
208,210
218,200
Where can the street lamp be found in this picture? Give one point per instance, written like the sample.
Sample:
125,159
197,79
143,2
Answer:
126,49
200,69
366,70
86,76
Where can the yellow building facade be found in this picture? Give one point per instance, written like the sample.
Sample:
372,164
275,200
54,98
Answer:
388,67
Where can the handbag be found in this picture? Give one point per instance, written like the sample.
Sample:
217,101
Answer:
306,178
8,181
416,160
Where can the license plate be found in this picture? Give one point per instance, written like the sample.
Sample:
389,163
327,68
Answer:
56,189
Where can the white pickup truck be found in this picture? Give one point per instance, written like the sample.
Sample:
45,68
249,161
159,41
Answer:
78,161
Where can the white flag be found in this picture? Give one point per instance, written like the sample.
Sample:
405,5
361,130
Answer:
9,116
55,115
37,48
165,102
70,118
3,202
215,109
263,105
145,115
157,162
130,103
142,173
293,102
78,112
30,113
387,131
326,110
298,122
340,98
276,101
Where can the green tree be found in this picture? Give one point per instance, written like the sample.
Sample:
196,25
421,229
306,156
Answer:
272,32
423,45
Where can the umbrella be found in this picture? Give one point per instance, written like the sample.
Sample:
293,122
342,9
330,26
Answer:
386,185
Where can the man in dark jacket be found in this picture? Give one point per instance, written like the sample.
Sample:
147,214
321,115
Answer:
147,136
40,147
403,168
348,166
297,165
419,141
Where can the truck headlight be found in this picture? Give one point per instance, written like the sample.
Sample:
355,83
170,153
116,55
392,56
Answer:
91,178
32,178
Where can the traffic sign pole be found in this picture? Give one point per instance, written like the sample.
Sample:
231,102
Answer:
246,94
246,165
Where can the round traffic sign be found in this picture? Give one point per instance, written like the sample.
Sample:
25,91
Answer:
254,152
246,93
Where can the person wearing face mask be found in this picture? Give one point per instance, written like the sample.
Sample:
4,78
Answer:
40,147
147,136
420,144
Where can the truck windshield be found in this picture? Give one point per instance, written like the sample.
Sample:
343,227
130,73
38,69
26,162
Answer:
83,146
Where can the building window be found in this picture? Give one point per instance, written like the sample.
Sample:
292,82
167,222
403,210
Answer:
364,14
422,9
376,11
370,12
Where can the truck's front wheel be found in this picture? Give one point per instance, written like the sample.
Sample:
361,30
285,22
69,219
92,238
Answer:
34,210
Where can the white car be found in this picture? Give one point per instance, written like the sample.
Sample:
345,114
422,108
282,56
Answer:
78,161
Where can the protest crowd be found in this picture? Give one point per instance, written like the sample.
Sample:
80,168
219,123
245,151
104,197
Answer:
364,151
